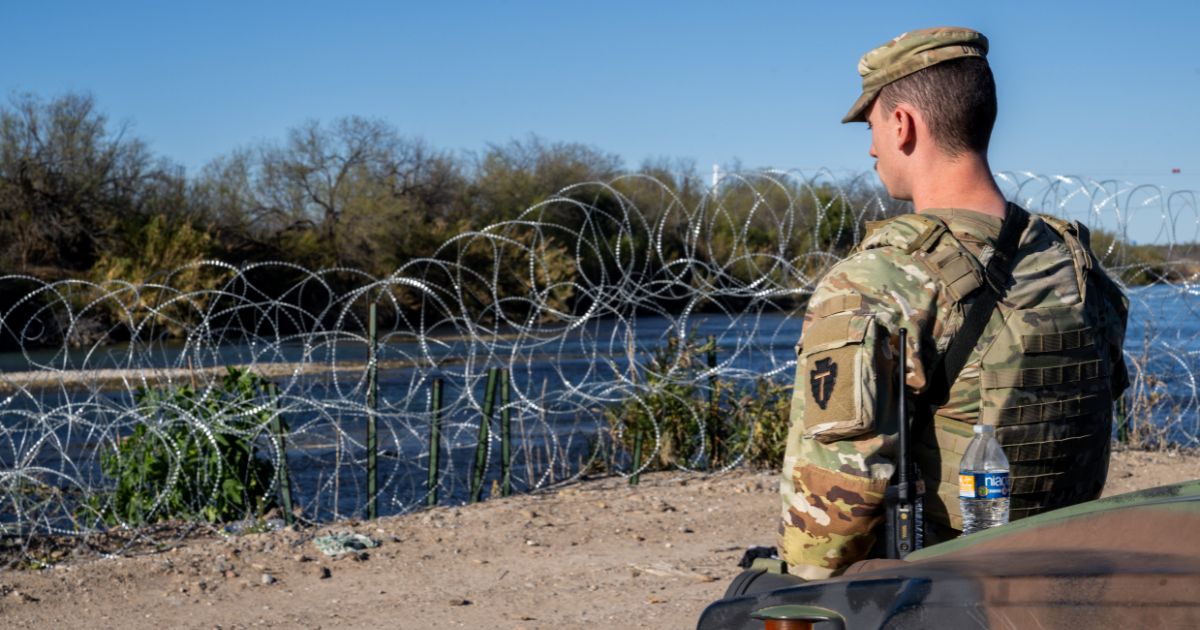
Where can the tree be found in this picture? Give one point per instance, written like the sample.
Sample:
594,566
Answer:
346,191
68,182
513,177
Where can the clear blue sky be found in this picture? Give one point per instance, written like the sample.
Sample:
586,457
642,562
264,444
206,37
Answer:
1104,89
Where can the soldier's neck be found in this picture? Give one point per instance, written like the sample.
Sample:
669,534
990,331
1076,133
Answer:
964,182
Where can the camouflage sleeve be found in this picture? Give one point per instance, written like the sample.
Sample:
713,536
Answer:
838,458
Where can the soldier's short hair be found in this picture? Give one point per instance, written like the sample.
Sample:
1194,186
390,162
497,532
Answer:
957,98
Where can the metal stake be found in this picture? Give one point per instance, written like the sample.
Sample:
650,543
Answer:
481,444
372,406
435,442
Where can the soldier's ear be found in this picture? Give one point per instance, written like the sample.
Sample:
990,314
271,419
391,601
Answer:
904,121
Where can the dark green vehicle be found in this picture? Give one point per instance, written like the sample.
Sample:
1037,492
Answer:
1129,561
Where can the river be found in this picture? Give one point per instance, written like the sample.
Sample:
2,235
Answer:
560,379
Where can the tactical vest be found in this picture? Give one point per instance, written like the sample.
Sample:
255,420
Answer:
1045,370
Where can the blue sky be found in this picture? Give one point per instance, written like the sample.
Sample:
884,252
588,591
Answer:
1102,89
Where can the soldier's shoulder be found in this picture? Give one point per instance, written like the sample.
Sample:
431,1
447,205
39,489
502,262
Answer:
1070,232
904,232
916,254
871,264
1060,226
877,274
888,247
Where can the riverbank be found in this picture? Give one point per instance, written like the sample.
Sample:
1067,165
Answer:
596,552
129,379
110,379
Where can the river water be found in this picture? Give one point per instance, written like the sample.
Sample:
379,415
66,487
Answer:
560,380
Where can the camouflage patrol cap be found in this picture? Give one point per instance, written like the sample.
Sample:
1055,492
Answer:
909,52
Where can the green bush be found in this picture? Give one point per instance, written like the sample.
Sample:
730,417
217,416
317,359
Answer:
697,423
194,455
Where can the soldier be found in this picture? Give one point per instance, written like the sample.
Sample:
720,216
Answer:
1039,356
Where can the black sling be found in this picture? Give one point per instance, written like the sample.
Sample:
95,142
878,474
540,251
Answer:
996,282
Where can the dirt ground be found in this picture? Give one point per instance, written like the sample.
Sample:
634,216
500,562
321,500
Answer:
597,551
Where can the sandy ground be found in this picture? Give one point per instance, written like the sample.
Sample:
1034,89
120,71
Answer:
598,552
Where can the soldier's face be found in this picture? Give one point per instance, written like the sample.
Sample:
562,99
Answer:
886,151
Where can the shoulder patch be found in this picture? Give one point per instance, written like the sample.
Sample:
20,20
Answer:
841,356
823,378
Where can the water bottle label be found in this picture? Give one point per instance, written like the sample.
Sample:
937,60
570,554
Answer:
992,485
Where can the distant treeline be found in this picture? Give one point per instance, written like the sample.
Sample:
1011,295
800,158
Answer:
81,197
1147,264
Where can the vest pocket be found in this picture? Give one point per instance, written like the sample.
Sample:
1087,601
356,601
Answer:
1045,385
841,355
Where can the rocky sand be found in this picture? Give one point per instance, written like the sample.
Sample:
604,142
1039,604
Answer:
593,552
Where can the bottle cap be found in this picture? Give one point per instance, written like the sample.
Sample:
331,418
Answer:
984,428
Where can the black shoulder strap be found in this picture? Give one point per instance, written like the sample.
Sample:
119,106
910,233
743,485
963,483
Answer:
980,311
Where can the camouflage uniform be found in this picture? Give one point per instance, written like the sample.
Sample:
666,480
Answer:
1045,371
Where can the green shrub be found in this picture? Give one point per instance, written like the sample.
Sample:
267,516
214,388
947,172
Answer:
193,456
710,424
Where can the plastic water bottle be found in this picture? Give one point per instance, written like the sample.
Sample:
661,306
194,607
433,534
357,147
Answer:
983,486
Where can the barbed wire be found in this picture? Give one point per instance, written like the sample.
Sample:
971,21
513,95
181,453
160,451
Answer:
599,303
